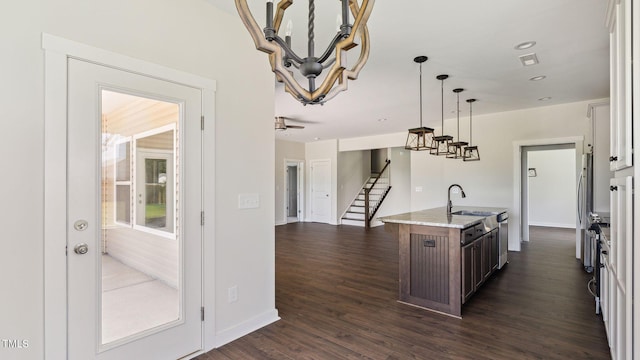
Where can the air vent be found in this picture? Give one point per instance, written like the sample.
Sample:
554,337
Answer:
529,59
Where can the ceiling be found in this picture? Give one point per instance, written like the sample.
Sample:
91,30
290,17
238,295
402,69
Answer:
470,40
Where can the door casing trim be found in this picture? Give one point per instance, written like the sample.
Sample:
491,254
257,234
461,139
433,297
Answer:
57,51
515,221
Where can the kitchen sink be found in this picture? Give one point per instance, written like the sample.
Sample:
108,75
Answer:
472,213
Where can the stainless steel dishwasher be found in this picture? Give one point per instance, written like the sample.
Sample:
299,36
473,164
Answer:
503,243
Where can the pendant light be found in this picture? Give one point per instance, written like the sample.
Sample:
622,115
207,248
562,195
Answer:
441,143
471,153
420,138
456,148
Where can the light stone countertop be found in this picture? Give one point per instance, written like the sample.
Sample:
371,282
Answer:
438,217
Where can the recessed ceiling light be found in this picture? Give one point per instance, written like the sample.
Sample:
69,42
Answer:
525,45
316,138
382,120
538,78
546,98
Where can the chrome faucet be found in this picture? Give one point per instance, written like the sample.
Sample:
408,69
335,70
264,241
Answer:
449,206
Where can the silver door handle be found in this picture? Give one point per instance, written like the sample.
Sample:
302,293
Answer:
81,249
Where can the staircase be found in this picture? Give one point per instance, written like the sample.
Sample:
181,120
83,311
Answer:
378,188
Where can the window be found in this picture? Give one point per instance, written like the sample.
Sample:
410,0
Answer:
123,182
145,181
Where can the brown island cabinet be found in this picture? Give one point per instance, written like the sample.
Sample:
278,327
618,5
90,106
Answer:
444,259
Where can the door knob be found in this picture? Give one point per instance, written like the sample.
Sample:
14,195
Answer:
81,249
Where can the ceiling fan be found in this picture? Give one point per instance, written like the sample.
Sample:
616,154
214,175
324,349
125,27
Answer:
281,125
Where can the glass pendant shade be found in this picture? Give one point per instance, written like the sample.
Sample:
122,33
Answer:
471,152
456,148
420,138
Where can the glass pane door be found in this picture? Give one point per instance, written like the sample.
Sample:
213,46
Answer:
140,262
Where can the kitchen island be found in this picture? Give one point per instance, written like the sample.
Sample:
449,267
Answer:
444,258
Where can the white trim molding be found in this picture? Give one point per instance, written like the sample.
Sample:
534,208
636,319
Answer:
515,235
247,327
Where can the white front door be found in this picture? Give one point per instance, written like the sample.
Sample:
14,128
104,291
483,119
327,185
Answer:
321,191
134,202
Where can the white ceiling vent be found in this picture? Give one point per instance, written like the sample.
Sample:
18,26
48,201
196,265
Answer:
529,59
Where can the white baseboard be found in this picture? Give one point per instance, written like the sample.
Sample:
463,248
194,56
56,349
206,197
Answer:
281,223
228,335
546,224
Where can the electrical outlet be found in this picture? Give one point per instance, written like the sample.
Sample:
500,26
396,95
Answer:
418,188
455,190
233,293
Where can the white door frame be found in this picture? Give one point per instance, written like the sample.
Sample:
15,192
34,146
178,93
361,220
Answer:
57,52
300,168
515,221
526,203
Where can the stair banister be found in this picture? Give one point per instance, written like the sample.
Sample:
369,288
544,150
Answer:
367,215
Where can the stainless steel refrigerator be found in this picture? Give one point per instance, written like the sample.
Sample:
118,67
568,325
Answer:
584,199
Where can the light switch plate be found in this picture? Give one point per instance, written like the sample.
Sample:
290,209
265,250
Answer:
248,201
418,188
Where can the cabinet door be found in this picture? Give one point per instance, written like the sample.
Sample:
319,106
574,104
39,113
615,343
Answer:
621,264
486,255
477,263
494,250
620,90
604,291
468,283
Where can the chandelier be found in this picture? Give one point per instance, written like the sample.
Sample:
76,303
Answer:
333,59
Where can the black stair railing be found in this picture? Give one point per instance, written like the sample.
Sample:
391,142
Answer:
368,214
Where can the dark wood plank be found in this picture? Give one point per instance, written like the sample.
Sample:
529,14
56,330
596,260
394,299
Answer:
337,292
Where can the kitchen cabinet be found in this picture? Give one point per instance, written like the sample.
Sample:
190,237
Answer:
468,281
479,261
600,137
604,286
443,258
495,249
487,269
620,318
620,28
620,268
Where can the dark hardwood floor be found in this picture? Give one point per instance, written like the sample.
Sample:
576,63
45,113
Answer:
336,292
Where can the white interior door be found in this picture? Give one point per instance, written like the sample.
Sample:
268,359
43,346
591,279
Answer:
321,191
134,265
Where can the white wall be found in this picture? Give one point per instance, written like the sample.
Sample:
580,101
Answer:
285,150
322,150
354,168
184,35
489,182
399,198
552,192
